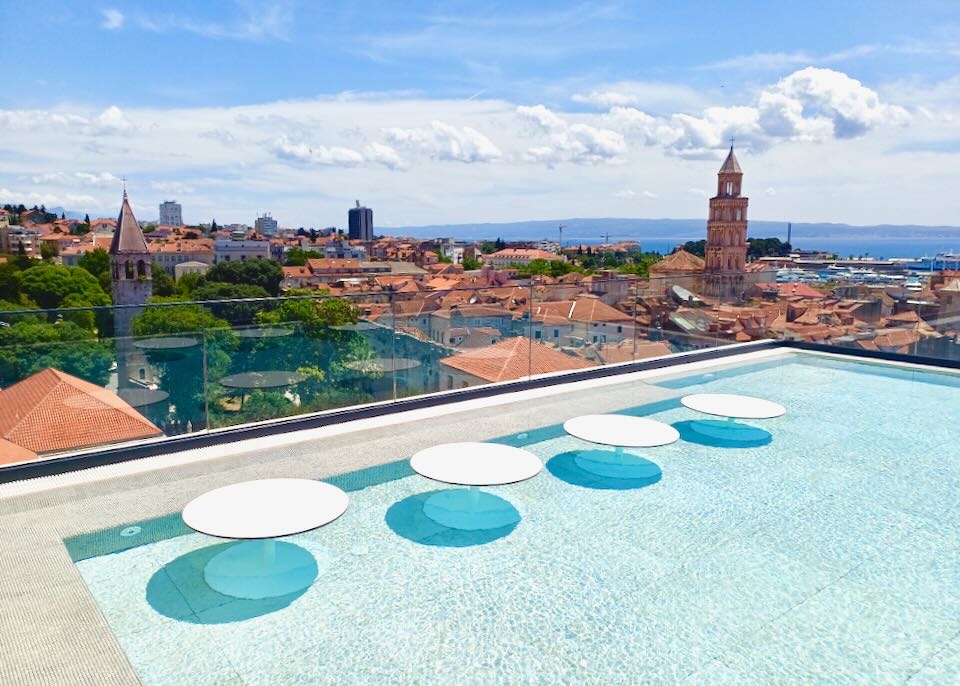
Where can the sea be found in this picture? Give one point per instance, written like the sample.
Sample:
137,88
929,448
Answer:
877,248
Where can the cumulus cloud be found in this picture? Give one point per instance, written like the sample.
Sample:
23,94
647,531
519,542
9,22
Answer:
336,156
112,19
565,142
110,121
441,141
385,155
811,105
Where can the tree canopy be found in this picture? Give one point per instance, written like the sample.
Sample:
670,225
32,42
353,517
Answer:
28,346
257,272
50,285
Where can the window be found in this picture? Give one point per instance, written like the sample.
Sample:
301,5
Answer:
556,333
729,187
536,335
619,329
738,215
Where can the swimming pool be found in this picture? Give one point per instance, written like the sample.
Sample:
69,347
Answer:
828,554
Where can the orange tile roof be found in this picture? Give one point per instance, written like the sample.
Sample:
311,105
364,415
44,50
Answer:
586,308
680,261
513,358
53,411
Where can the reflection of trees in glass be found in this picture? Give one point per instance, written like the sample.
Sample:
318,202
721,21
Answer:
31,345
180,372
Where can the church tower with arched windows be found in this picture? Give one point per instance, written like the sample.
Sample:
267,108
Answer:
131,283
726,250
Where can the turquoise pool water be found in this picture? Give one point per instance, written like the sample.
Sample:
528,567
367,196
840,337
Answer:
828,554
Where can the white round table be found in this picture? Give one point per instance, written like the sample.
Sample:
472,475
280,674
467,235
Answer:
621,431
473,465
733,406
263,510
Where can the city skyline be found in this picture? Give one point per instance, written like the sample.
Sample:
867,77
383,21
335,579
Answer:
850,118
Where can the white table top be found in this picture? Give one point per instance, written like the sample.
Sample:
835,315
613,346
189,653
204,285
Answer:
476,464
266,508
737,406
621,431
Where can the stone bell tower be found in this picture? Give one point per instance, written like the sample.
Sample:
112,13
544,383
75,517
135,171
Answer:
726,250
131,284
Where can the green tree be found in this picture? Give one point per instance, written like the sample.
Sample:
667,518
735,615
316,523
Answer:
86,219
697,248
187,284
471,263
297,257
46,252
9,282
162,283
258,272
29,346
235,314
554,268
48,285
182,373
96,262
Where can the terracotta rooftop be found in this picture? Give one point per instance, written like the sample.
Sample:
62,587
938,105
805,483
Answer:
513,358
586,308
52,411
680,261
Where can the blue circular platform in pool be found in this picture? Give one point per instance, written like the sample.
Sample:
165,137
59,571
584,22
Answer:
604,470
729,433
259,569
470,509
617,465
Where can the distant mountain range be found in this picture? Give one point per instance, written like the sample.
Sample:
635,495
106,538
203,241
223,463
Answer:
595,230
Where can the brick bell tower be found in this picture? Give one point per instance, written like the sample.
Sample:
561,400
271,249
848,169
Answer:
726,250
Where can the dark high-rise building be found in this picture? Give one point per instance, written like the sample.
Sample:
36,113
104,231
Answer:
360,222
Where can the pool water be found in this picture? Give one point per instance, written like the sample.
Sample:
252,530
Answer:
829,553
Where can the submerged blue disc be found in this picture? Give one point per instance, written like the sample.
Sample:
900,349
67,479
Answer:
261,569
617,465
470,510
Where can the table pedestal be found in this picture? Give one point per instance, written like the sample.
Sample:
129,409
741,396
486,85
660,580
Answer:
259,569
470,509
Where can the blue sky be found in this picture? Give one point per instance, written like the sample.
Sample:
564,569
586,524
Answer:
430,110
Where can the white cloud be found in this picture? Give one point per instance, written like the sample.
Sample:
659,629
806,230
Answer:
811,105
578,143
385,155
629,194
172,187
442,141
336,156
97,179
256,21
30,198
112,19
648,95
112,120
